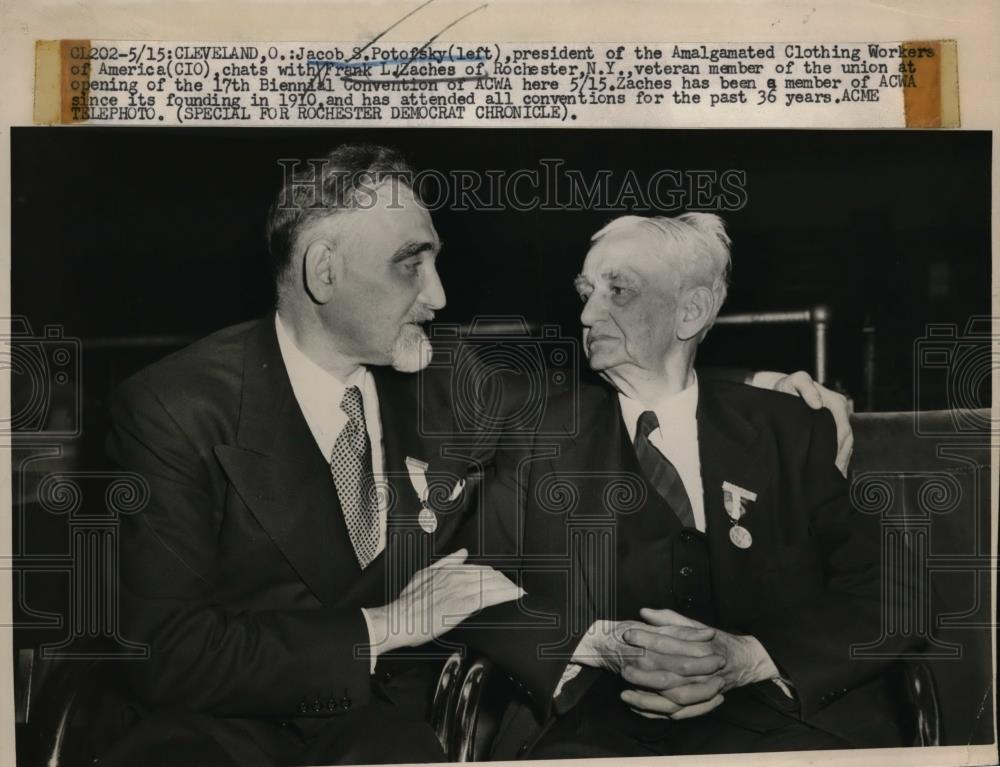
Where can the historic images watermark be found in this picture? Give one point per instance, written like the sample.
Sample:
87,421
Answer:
552,185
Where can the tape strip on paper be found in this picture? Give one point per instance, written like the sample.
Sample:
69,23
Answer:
58,78
932,100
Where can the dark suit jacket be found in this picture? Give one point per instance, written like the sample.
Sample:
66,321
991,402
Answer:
239,573
575,518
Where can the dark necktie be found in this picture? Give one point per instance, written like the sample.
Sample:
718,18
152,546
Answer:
661,474
351,466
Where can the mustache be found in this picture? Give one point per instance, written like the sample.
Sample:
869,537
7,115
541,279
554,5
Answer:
421,316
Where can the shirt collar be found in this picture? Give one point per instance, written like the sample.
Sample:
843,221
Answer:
312,384
676,410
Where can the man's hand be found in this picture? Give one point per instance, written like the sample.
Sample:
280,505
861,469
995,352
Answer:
669,640
746,660
801,384
436,600
680,669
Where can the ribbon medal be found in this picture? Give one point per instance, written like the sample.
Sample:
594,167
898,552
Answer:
418,478
735,499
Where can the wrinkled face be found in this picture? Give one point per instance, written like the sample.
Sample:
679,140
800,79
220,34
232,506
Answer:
630,293
390,284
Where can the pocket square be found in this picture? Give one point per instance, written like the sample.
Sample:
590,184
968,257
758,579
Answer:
457,490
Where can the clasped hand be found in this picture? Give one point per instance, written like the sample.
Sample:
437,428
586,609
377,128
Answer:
679,667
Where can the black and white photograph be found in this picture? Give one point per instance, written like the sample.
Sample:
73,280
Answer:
378,446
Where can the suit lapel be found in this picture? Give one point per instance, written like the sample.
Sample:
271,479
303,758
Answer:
409,545
281,475
411,428
397,404
598,454
730,451
584,456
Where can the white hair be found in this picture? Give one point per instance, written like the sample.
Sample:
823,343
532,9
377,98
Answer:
696,242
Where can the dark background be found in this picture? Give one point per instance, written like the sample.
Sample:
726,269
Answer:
133,232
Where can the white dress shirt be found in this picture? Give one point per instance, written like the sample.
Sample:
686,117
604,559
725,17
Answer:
319,394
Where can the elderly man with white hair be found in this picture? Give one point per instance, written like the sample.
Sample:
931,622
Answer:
718,577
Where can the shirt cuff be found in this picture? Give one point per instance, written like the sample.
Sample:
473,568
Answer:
771,669
585,650
373,653
572,669
784,686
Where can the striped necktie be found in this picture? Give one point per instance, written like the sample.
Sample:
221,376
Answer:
660,472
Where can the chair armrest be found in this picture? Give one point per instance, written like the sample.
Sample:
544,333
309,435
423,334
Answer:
465,747
65,688
455,711
920,696
445,698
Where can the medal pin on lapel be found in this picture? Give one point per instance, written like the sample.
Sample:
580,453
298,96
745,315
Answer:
735,498
417,470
